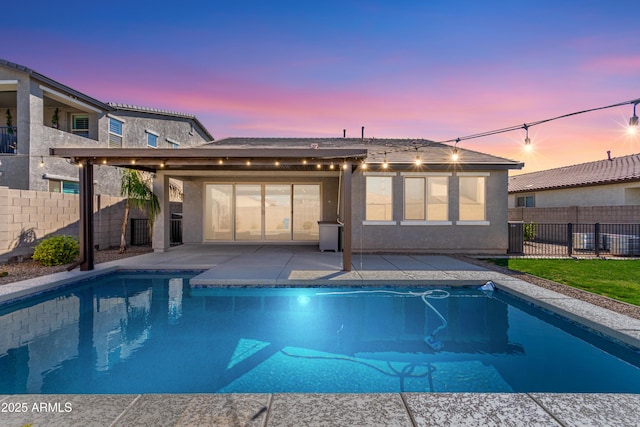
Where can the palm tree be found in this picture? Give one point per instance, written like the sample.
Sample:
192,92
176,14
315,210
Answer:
139,195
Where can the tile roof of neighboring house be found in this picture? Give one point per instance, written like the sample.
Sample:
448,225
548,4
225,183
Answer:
55,84
397,150
618,169
139,109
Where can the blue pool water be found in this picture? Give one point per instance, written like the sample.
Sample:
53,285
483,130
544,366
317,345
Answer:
153,333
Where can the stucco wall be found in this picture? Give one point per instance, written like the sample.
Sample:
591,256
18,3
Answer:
492,238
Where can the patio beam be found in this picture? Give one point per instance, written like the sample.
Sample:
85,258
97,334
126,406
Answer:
86,216
346,230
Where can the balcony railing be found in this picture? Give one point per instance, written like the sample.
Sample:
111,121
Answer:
8,140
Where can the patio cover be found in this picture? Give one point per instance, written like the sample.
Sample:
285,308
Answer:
176,160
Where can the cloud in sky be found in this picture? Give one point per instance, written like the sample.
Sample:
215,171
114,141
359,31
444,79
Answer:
404,69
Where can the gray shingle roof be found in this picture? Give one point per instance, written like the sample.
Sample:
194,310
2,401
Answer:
619,169
402,151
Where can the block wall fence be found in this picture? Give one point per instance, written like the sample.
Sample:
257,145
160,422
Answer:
628,214
27,217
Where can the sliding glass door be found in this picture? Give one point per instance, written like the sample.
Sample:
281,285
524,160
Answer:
262,212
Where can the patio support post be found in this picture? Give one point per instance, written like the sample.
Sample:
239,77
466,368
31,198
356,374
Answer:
346,231
86,215
162,224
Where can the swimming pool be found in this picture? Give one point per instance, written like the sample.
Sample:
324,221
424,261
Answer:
153,333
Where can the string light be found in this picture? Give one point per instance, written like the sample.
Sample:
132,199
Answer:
363,165
331,166
527,140
41,161
104,161
220,161
248,162
633,121
633,126
454,155
304,161
277,163
385,164
319,166
418,161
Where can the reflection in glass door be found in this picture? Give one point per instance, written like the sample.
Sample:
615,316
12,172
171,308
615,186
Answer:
262,212
277,212
218,212
248,212
306,211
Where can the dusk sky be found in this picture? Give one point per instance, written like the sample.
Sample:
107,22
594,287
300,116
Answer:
407,69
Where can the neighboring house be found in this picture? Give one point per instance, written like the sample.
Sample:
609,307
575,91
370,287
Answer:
39,113
608,182
605,191
275,190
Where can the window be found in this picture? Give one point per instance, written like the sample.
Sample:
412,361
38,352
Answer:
260,212
152,139
80,125
472,198
66,187
426,198
379,198
525,202
172,144
115,133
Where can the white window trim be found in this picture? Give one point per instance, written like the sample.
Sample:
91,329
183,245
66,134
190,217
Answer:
116,118
148,132
473,173
473,222
370,222
424,174
152,133
380,173
171,141
416,222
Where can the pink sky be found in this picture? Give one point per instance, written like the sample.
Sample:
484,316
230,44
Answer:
408,70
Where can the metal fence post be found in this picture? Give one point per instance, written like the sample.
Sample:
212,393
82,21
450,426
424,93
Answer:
570,239
596,238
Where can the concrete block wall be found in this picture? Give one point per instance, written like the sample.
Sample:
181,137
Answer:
27,217
629,214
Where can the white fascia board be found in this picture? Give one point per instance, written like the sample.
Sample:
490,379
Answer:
8,85
66,99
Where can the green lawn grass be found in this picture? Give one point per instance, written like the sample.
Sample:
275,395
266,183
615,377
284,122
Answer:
617,279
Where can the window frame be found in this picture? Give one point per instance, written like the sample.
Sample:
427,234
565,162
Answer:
484,176
389,175
84,132
525,198
152,136
425,176
120,135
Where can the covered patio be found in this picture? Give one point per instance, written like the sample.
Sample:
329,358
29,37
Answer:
194,162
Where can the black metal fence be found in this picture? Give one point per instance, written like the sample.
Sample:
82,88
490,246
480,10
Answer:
8,140
140,232
574,239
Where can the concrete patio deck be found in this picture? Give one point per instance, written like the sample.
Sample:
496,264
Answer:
305,266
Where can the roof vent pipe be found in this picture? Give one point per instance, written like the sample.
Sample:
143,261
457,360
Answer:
344,133
363,133
609,155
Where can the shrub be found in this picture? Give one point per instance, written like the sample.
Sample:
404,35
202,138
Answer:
530,231
57,250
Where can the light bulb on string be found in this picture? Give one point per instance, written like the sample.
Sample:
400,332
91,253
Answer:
418,160
633,122
454,155
385,164
527,140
